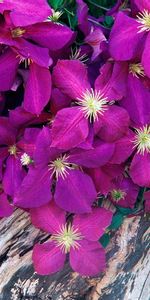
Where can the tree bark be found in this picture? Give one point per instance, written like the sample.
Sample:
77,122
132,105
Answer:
127,276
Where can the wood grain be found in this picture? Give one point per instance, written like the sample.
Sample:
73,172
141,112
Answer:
127,276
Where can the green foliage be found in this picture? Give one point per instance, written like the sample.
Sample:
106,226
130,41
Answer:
117,221
104,240
56,4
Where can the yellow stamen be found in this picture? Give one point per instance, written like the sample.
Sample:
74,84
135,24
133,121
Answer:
67,237
136,70
12,150
142,139
143,18
17,32
60,166
93,104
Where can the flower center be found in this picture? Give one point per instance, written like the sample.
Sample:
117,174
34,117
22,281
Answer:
25,159
93,104
142,139
12,150
67,237
55,16
143,19
17,32
117,195
136,70
60,166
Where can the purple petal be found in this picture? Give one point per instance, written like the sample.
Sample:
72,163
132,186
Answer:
37,54
115,124
95,40
7,132
125,33
93,158
92,226
50,35
76,192
9,64
82,14
70,76
27,12
13,175
146,56
89,259
70,128
112,80
102,181
5,208
140,169
142,4
58,101
48,217
35,189
124,147
37,90
47,258
134,102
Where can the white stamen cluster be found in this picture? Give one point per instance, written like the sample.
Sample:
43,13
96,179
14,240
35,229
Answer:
117,195
67,237
93,104
76,55
143,18
136,70
142,139
25,159
55,16
60,166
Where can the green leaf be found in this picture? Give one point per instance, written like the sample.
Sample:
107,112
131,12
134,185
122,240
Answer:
108,21
56,4
105,239
117,221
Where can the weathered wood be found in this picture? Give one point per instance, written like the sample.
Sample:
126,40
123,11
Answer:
127,276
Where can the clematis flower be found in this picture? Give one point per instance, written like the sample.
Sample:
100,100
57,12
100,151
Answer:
79,239
134,33
74,189
12,149
32,44
97,41
71,125
124,192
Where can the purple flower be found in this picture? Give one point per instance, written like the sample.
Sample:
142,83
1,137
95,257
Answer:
74,189
79,239
134,33
124,192
6,209
71,125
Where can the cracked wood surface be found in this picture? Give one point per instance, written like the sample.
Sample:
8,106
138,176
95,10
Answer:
127,276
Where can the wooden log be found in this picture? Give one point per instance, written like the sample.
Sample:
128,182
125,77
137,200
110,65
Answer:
127,276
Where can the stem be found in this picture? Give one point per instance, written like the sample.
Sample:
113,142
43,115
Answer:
97,23
99,6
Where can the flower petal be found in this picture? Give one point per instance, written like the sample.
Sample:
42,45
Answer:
70,76
134,102
125,32
93,158
9,64
92,226
146,56
50,35
115,124
140,169
37,90
47,258
5,208
89,259
70,128
35,189
76,192
48,217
